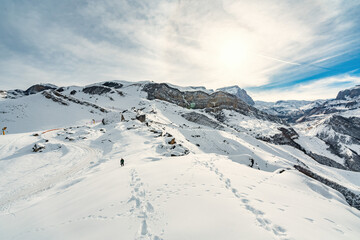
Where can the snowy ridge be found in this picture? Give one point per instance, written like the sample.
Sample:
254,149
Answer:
184,177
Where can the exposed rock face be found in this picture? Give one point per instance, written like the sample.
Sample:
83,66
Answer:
96,90
64,100
141,118
238,92
287,137
113,85
349,93
200,100
201,119
326,161
39,88
347,126
38,147
340,132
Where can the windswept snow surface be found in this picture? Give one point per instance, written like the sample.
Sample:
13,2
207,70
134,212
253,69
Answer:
201,187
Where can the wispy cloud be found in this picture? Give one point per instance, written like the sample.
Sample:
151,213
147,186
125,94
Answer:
213,43
322,89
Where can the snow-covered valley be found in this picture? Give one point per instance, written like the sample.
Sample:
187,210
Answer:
187,175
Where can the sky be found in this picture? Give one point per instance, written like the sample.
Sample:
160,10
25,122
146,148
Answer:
275,49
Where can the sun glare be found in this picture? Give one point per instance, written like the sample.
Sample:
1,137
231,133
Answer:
233,53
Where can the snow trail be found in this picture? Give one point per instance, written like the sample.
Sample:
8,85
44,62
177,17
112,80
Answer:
142,208
278,231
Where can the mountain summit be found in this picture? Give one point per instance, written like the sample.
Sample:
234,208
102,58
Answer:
238,92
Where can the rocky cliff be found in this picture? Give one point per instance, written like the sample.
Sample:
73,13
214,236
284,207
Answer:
238,92
200,100
349,93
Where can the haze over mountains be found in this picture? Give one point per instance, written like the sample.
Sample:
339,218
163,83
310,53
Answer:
199,164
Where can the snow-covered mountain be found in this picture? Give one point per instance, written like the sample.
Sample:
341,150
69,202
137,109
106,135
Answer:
198,165
334,121
238,92
17,93
286,109
349,94
337,123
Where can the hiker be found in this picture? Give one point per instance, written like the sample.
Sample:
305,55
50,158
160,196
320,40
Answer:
252,162
122,162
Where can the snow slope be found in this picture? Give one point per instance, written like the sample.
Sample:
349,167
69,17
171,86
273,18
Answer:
201,187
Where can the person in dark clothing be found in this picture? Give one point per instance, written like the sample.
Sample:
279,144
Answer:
252,162
122,162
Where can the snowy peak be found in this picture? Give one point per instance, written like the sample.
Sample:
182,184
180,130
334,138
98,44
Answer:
348,94
238,92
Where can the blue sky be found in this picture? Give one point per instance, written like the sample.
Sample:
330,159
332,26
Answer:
274,49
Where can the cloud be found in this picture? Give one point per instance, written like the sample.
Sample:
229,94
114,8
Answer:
212,43
325,88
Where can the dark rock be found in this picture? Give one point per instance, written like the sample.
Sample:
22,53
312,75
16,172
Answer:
96,90
38,147
287,137
39,88
73,92
201,119
63,99
141,118
325,161
345,131
113,85
347,126
349,93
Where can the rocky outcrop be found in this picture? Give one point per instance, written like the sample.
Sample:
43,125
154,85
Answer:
201,119
96,90
38,147
340,132
39,88
287,137
347,126
349,93
326,161
64,100
141,118
200,100
238,92
112,85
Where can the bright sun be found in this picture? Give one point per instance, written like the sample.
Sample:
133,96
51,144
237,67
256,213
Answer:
233,53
